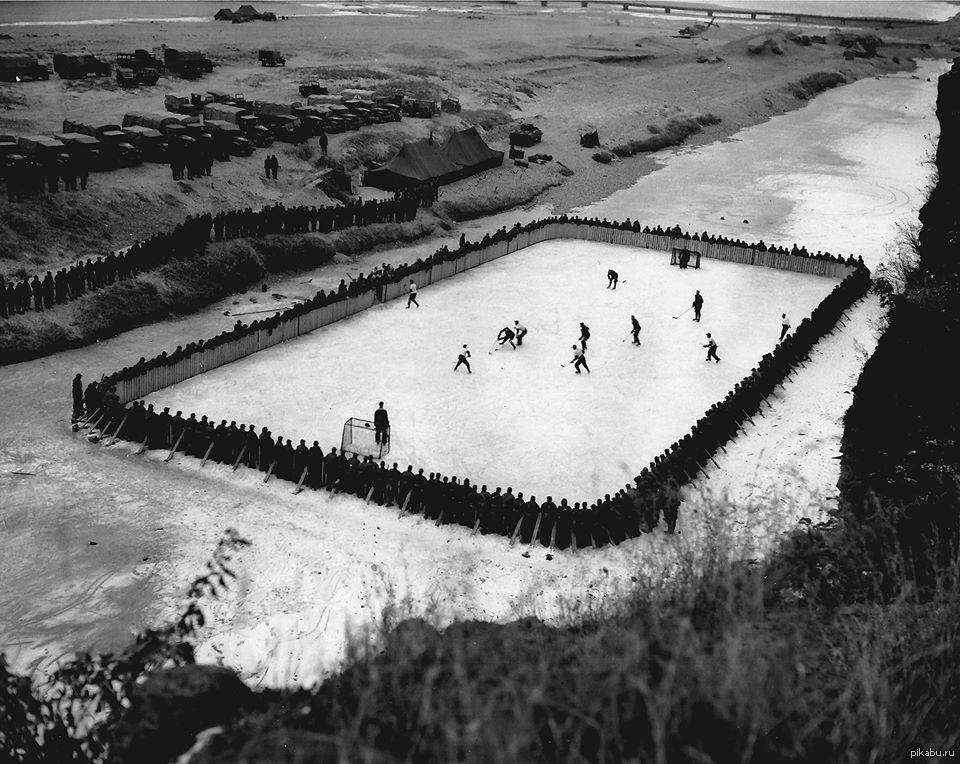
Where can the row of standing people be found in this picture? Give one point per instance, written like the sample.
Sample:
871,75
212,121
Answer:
29,177
439,498
188,239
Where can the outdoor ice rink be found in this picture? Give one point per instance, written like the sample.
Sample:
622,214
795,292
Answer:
520,419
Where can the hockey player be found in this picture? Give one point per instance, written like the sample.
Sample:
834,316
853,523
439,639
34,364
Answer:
381,422
784,326
462,360
521,332
584,336
579,359
412,294
711,347
635,330
612,278
506,335
697,305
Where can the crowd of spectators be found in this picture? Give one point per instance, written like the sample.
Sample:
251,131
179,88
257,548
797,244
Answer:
651,500
190,238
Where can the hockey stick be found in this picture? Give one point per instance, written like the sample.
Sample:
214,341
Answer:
405,502
175,445
536,530
85,422
207,454
684,312
303,476
269,471
516,530
116,432
243,450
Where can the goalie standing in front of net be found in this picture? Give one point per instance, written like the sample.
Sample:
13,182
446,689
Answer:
381,423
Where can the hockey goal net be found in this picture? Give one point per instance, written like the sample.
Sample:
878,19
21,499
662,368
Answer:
360,438
685,258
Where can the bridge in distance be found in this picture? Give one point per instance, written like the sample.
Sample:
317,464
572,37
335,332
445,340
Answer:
712,11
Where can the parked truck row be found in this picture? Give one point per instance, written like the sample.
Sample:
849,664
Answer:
215,123
132,69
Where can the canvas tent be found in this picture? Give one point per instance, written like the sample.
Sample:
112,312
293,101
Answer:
470,152
415,163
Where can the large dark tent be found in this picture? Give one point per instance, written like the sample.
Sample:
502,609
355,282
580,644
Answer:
416,163
468,150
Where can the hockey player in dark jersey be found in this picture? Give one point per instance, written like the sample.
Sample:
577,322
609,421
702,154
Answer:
584,336
462,360
506,335
635,330
697,305
612,278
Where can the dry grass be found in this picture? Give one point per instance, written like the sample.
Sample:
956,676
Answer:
673,133
517,188
714,663
813,84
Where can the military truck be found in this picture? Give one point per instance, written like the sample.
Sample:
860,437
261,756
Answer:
115,147
226,112
227,138
422,108
76,67
526,135
151,119
281,123
188,64
191,105
131,78
83,149
138,68
47,152
148,141
140,59
271,58
313,88
14,68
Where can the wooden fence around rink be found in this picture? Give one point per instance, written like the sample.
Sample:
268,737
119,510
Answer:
158,378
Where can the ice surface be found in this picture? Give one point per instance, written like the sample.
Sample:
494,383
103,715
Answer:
520,419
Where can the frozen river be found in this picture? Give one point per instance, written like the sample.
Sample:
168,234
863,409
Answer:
838,175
